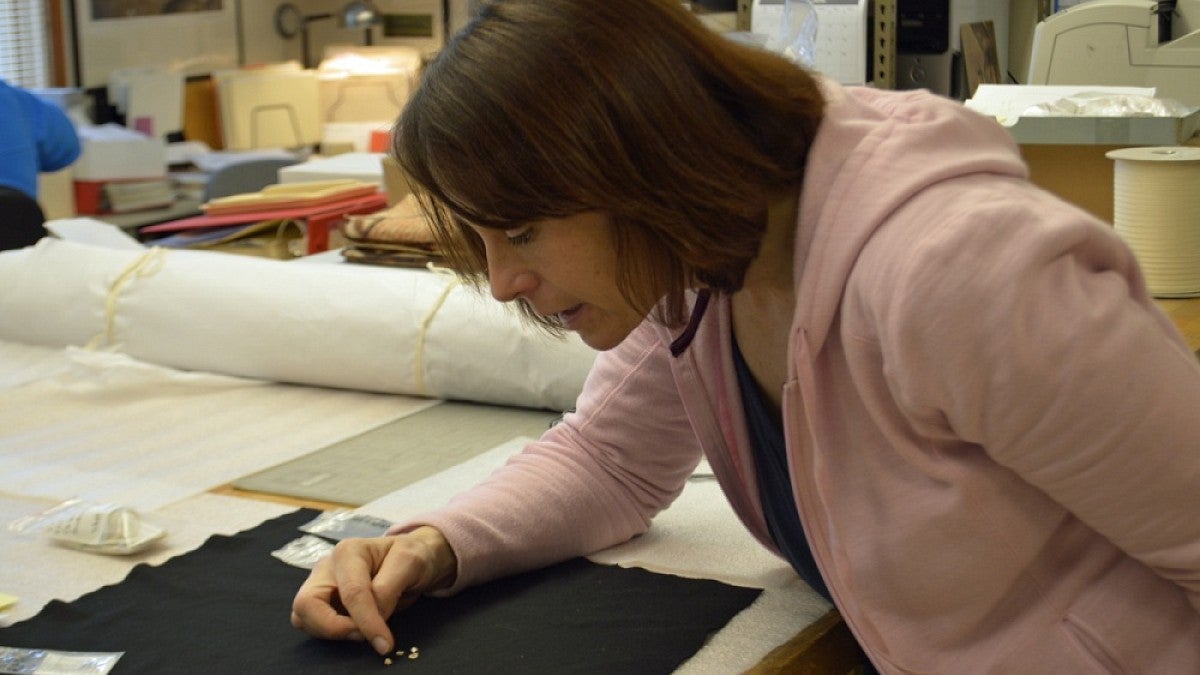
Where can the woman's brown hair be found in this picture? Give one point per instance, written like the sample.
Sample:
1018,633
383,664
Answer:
549,108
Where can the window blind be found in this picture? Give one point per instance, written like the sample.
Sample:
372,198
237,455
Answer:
24,57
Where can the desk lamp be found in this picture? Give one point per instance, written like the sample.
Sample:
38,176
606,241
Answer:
290,21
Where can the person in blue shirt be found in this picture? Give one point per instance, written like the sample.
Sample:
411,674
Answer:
36,136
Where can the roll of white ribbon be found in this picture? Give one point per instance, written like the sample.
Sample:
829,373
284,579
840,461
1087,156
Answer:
1156,210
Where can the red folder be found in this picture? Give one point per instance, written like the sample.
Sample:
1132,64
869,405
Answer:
318,219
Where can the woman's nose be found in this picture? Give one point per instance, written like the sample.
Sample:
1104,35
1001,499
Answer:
508,277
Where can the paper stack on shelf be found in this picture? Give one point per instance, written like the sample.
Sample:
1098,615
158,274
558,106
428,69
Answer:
120,170
137,195
190,184
122,195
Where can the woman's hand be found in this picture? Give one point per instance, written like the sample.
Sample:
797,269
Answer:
351,593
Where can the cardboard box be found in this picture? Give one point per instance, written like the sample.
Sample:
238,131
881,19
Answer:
1120,131
1080,174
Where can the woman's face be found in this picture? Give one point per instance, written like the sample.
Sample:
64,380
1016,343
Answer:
564,267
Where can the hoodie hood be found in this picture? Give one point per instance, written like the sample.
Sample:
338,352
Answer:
875,150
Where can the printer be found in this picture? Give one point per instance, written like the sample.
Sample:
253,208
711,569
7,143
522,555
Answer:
1140,43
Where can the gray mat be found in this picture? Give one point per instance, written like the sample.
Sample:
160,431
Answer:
388,457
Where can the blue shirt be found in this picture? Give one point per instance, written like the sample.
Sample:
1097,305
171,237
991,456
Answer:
35,136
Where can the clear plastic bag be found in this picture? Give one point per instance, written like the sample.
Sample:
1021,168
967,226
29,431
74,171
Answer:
99,528
20,661
342,524
796,38
304,552
324,530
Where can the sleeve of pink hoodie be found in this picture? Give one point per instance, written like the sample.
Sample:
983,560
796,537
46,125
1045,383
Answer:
1029,331
592,481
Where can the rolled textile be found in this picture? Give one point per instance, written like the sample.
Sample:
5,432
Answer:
389,330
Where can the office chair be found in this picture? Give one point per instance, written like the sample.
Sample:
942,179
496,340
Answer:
251,175
21,219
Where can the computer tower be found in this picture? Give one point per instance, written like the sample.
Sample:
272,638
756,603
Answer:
924,59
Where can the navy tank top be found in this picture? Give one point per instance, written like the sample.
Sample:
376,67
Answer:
774,482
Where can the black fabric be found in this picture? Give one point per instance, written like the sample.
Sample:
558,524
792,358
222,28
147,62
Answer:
774,479
21,219
224,609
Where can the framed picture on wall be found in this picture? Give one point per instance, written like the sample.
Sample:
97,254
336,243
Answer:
194,37
123,9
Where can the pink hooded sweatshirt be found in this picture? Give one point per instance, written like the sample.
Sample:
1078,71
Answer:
993,433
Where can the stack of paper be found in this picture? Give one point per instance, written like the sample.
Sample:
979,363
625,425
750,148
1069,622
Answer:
291,196
136,195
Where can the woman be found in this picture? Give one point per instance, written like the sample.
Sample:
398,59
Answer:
942,394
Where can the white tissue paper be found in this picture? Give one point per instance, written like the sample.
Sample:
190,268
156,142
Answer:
1107,104
384,330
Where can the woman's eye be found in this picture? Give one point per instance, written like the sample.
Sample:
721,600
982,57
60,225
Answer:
519,237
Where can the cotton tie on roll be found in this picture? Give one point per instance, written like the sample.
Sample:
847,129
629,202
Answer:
1156,210
377,329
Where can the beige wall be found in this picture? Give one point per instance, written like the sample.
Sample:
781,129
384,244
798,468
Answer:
262,44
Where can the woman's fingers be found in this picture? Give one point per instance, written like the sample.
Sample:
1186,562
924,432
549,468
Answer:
351,593
356,564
